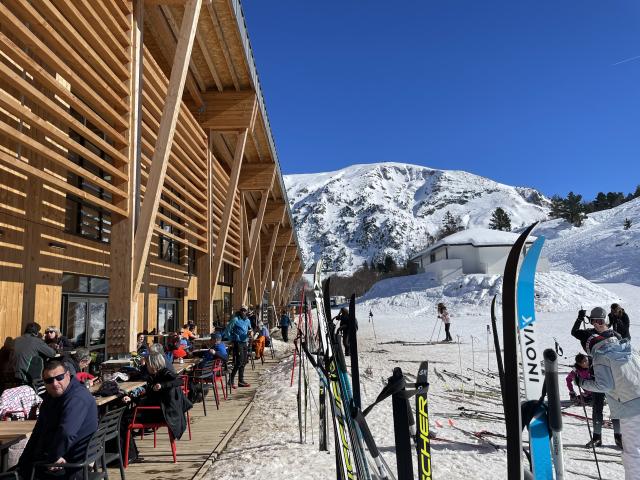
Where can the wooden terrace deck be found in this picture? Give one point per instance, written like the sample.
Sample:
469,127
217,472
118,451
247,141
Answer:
210,434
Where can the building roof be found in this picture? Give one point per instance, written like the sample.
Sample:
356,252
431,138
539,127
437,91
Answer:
478,237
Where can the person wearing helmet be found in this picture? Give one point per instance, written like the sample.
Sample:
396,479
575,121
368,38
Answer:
599,329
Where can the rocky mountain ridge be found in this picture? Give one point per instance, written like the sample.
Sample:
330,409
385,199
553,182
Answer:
365,212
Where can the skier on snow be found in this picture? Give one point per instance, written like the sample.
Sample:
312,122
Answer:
444,316
616,370
597,319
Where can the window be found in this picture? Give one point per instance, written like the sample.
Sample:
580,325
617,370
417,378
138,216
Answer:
81,284
81,217
226,274
169,248
432,258
191,261
192,311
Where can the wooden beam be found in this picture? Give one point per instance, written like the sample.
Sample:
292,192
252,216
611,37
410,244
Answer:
275,213
223,43
284,237
253,244
123,306
257,177
228,207
164,140
164,36
205,282
269,259
227,111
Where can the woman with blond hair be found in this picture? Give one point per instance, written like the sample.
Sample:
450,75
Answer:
56,340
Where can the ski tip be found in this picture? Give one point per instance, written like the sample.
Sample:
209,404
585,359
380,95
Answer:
450,422
438,424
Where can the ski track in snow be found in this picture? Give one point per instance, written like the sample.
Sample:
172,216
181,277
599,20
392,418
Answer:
267,443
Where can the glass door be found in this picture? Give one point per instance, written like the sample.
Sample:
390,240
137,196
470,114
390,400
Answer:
167,315
86,323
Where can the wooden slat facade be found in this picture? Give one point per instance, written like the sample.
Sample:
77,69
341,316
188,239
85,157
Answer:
82,101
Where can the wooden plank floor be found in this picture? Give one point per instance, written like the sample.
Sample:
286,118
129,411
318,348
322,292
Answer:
207,434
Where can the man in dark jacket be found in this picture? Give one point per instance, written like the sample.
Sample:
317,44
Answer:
285,323
27,347
343,329
68,418
619,321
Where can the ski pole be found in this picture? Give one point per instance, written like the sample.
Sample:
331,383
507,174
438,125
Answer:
593,446
473,364
433,331
439,330
460,362
488,348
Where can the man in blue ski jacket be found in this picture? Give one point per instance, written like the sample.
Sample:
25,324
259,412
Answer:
285,323
240,334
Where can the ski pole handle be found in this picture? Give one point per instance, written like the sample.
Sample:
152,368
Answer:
553,391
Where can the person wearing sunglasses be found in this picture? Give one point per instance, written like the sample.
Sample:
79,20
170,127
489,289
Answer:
56,340
67,420
599,327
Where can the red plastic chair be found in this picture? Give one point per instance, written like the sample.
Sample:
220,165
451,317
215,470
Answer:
185,390
219,378
134,425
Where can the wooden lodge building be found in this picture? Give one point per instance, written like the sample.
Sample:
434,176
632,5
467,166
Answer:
139,181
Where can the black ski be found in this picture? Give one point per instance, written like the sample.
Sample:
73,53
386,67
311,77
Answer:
353,350
496,343
511,395
423,442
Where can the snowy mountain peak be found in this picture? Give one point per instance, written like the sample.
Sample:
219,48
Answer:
364,212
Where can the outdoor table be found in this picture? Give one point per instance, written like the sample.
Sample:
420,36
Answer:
10,434
126,387
186,365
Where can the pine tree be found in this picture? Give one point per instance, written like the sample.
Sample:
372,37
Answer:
574,209
389,264
627,224
450,224
500,220
557,207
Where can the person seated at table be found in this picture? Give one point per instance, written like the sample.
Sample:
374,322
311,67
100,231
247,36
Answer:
175,348
8,363
164,389
19,403
158,348
142,347
77,362
217,351
27,347
56,340
68,418
188,331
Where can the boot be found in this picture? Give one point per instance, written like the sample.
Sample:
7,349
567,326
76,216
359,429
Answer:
618,439
596,441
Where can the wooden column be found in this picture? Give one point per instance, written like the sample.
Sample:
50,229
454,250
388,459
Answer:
204,306
123,306
278,274
228,208
164,141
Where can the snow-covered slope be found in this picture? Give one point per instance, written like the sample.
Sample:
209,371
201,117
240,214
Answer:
365,212
600,250
416,294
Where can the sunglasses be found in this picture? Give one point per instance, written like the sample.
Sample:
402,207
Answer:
57,378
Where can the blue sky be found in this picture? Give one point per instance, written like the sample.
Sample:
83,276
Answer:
526,93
